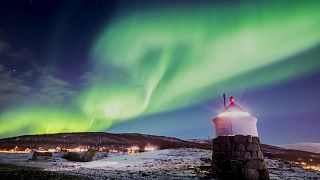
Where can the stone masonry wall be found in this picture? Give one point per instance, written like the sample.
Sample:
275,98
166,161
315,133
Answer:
238,157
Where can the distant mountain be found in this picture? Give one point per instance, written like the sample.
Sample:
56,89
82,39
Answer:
97,139
305,146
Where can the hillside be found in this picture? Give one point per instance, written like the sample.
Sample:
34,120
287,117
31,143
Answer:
305,146
291,155
97,139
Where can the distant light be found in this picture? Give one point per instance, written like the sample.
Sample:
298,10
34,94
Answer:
133,149
234,114
150,148
80,149
52,150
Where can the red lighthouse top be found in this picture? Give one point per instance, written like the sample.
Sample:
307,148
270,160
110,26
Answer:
231,99
233,108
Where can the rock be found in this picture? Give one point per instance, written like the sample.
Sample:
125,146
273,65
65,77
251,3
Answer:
214,164
225,139
239,139
235,155
81,156
250,174
241,147
215,141
225,147
247,155
236,165
255,164
144,174
216,147
41,155
256,140
255,147
249,139
264,174
216,172
249,147
224,164
238,155
260,155
232,175
222,155
205,160
254,155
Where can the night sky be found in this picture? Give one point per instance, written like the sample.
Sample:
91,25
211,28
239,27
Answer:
159,67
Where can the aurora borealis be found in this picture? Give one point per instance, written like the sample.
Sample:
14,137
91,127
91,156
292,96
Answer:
124,66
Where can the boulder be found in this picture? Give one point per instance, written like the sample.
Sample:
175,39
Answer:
249,147
254,155
260,155
239,139
41,155
247,155
255,164
250,174
225,146
249,139
241,147
85,156
264,174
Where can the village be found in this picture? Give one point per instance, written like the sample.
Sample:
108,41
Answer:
80,153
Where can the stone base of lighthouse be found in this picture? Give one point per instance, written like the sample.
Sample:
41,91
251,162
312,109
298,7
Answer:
238,157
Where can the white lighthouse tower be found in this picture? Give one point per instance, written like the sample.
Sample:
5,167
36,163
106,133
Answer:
236,150
234,120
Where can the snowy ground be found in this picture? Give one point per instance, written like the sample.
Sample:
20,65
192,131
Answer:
161,164
288,170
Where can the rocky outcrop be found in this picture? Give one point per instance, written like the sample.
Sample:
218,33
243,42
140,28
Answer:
238,157
85,156
41,155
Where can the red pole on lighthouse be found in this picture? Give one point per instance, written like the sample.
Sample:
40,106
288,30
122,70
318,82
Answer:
224,101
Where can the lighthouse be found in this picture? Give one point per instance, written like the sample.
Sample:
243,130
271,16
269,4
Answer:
234,120
236,150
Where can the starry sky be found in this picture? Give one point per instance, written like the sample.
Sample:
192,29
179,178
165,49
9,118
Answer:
159,67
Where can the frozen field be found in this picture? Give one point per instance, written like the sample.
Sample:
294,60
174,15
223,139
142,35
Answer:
173,163
162,164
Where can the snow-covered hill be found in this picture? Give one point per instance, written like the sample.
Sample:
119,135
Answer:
97,139
305,146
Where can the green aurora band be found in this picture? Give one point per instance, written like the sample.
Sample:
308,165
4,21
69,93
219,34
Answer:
162,60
